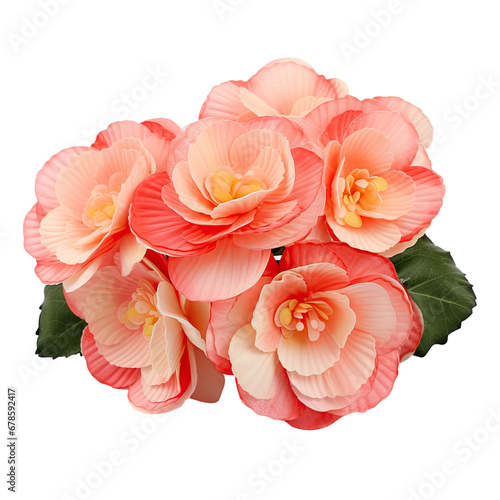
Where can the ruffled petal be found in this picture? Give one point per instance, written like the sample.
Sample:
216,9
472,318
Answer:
218,274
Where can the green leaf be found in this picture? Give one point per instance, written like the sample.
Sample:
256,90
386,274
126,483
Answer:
59,330
439,288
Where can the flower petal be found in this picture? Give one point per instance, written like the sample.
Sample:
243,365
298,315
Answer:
218,274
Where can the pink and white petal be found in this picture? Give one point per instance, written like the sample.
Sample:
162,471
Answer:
187,190
319,233
101,369
304,254
345,378
158,143
131,352
47,176
131,253
187,378
221,363
290,129
211,150
284,405
161,390
339,87
241,206
267,150
382,385
218,274
337,403
48,269
168,305
132,144
397,200
179,147
402,306
53,235
155,224
210,382
308,177
312,420
83,273
300,354
421,158
328,121
118,131
415,336
255,104
254,369
224,101
197,314
162,127
285,286
296,227
167,346
419,120
333,163
403,136
375,314
105,296
306,104
268,213
228,316
75,183
357,263
195,215
322,277
284,83
403,245
366,149
429,194
375,235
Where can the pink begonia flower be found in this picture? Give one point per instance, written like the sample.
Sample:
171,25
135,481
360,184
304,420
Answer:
381,191
143,336
286,87
83,195
231,193
319,338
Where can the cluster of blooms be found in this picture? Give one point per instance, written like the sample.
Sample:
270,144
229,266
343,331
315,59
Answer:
163,239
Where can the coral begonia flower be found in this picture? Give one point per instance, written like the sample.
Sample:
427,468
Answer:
144,337
381,191
80,220
287,87
319,338
231,193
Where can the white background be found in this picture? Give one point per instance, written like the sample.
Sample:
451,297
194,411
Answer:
66,79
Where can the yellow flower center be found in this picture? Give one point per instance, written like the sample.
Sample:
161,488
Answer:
141,310
307,316
224,185
100,208
359,188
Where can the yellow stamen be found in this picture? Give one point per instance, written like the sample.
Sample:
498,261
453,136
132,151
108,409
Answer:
285,316
380,184
353,219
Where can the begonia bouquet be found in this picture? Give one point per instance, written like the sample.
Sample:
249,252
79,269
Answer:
279,239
